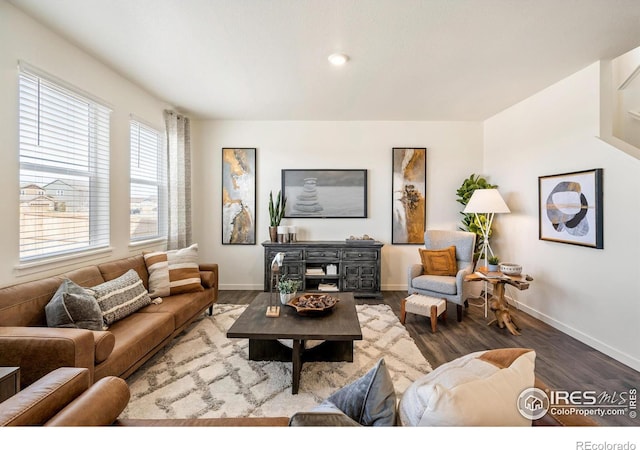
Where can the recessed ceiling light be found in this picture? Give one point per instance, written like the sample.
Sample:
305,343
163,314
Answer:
338,59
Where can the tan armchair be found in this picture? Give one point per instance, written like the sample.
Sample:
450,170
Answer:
451,288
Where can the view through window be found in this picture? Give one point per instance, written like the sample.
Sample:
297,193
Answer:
64,169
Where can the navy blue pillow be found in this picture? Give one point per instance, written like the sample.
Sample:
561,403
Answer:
370,400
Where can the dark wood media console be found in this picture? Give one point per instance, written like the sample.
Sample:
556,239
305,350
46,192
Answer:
357,265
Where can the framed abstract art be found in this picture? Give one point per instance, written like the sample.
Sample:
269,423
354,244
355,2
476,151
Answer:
570,208
239,196
409,185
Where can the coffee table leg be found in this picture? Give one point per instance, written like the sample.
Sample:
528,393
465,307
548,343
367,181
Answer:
296,359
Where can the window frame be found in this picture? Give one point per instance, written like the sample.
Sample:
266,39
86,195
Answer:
40,159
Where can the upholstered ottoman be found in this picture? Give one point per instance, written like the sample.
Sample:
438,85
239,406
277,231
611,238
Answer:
424,305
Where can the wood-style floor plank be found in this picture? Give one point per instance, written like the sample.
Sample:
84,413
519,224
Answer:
561,361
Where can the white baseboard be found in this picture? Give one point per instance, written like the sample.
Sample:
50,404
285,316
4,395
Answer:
622,357
241,287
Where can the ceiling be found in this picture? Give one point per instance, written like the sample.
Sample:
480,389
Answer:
409,59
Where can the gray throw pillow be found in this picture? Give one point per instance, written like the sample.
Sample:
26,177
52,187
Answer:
121,296
370,400
73,306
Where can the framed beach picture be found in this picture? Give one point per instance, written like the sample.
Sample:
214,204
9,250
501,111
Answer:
325,194
409,185
238,195
570,208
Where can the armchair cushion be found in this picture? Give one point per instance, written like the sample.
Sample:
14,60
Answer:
436,283
439,262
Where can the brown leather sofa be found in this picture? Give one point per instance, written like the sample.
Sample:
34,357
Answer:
65,397
27,342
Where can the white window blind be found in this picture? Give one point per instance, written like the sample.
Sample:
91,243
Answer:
64,169
147,211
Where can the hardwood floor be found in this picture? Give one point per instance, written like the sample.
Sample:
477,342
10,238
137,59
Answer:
561,361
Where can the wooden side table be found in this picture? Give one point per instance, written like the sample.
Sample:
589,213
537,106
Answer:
497,303
9,382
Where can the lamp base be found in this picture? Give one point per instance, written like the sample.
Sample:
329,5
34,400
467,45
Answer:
273,311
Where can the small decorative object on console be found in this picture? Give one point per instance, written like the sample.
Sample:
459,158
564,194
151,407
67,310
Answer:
364,239
510,268
313,304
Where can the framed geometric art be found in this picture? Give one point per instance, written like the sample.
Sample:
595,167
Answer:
570,208
409,185
239,196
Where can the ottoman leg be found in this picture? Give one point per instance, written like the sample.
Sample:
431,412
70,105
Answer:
444,316
434,318
403,313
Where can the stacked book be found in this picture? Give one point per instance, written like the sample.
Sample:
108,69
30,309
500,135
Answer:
328,287
315,271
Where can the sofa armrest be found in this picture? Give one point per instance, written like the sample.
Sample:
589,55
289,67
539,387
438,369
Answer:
211,280
40,350
101,404
44,398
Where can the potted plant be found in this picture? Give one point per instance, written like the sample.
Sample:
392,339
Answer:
288,289
493,262
276,213
469,221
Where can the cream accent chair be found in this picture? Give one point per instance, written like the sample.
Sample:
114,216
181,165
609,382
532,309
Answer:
453,289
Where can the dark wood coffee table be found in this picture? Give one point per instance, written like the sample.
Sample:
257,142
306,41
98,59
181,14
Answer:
339,328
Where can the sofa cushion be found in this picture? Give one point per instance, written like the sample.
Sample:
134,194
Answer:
478,389
114,269
173,272
370,400
136,338
73,306
439,262
183,307
121,297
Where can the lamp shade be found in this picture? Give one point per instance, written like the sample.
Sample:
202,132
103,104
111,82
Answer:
486,201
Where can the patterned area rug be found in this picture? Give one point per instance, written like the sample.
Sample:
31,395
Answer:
204,374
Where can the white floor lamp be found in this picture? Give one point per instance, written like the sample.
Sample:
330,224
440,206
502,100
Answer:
489,202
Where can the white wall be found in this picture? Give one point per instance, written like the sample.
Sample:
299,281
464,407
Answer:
453,153
21,38
593,295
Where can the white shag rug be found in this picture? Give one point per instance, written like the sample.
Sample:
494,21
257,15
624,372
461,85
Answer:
202,373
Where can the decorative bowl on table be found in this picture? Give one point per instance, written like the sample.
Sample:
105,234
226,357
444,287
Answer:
313,304
510,268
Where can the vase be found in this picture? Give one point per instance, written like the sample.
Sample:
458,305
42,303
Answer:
273,234
286,298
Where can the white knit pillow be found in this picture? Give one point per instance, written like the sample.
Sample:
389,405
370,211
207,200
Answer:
478,389
173,272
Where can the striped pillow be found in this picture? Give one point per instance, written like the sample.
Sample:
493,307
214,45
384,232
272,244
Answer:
173,272
121,296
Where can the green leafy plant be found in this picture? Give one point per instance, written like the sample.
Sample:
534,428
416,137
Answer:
288,286
276,213
469,221
493,260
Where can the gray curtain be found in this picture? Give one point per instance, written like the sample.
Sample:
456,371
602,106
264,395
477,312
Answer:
178,180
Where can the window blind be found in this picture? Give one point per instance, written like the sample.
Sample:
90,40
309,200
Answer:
148,210
64,169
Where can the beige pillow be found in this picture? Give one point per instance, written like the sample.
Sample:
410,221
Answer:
173,272
478,389
439,262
